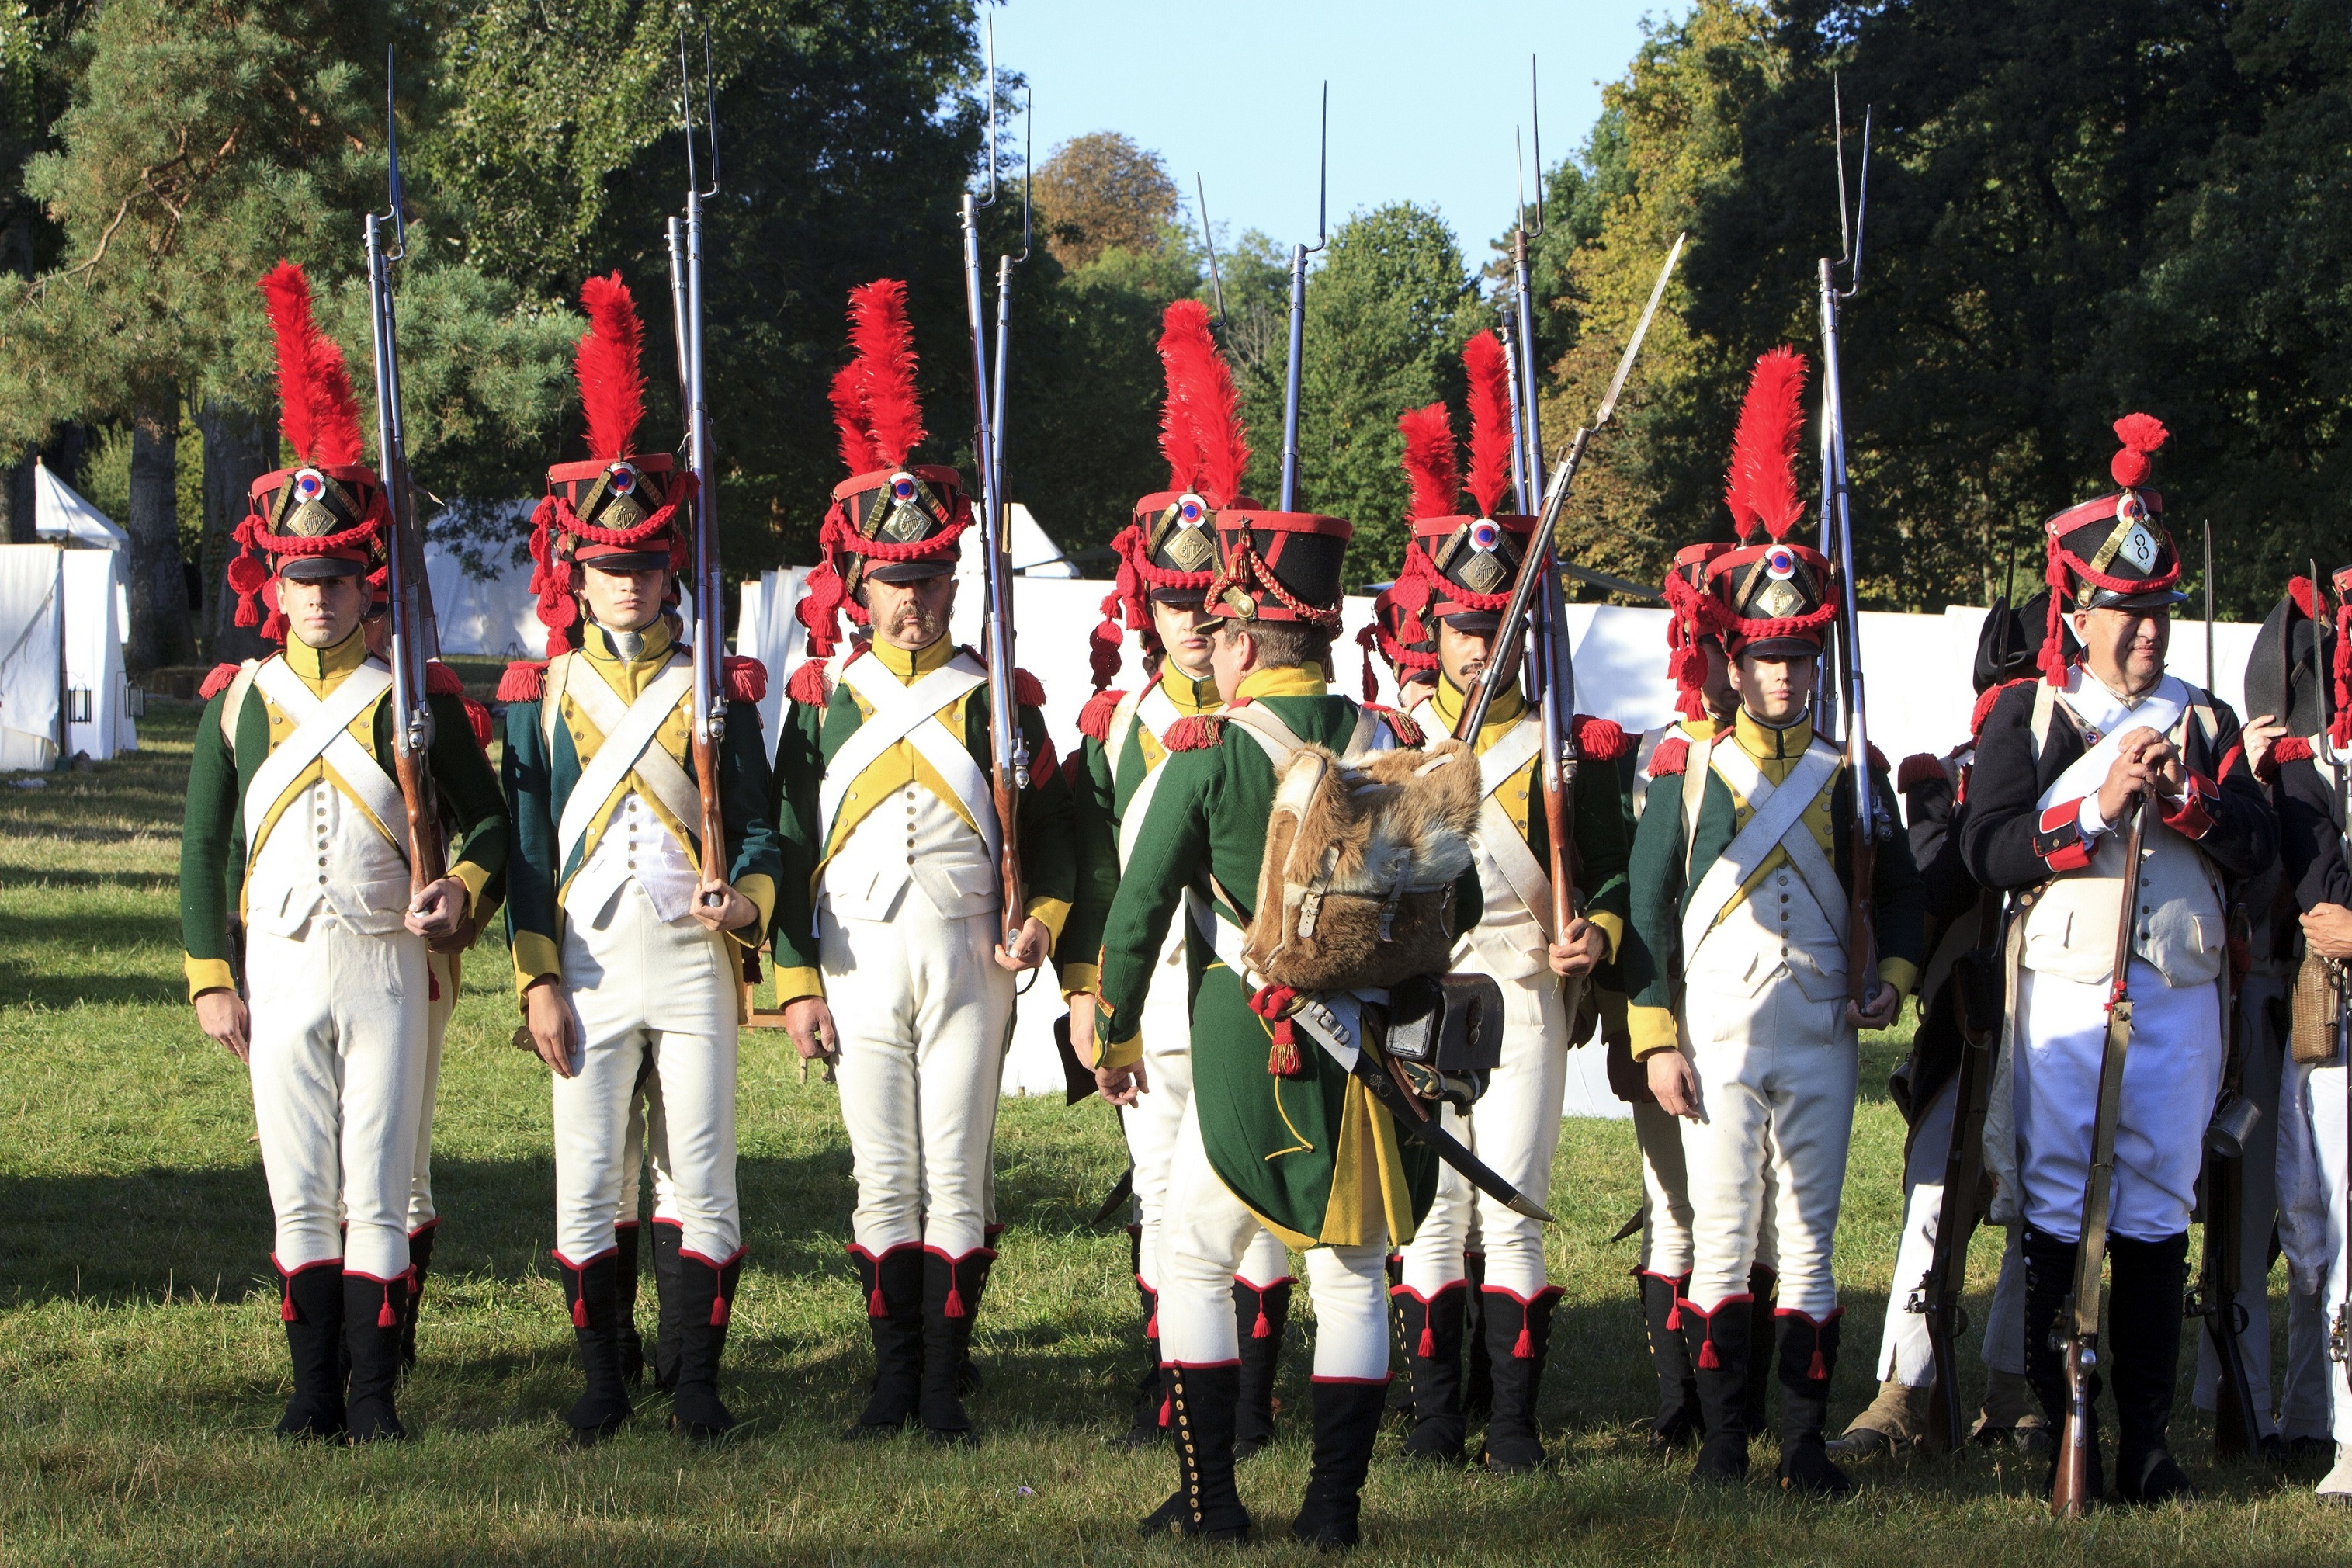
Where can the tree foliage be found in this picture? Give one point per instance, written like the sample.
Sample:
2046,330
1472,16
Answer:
1101,189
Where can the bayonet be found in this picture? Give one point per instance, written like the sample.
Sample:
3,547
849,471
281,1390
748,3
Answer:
709,630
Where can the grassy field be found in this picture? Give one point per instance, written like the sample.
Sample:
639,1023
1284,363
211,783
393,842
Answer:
143,1364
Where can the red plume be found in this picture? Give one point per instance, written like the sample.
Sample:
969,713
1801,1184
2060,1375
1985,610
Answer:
1203,382
612,388
1762,485
1180,441
319,416
1429,461
883,343
2141,435
849,417
1490,420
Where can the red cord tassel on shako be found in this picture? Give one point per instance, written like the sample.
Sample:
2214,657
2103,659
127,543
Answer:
2113,550
1276,1004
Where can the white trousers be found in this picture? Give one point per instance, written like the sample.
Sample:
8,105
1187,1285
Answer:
442,991
1208,1232
920,1007
1776,1076
2317,1101
2263,1053
1152,1121
1904,1355
642,990
337,1059
2170,1076
1514,1128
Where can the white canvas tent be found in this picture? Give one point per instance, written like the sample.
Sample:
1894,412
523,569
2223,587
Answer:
97,617
31,653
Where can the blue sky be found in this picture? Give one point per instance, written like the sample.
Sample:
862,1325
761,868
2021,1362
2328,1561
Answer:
1424,96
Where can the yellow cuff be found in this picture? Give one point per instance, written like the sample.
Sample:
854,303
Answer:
1899,973
476,878
792,985
761,890
1081,977
1614,926
1119,1054
1055,913
207,974
1653,1030
536,957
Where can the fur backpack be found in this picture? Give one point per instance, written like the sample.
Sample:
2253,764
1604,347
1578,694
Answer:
1361,856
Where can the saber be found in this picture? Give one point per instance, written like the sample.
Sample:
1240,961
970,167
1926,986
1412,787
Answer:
1121,1191
1416,1123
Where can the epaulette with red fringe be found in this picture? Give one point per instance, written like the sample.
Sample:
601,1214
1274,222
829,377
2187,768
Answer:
1094,719
217,681
808,687
440,680
1602,739
1670,757
746,679
1400,725
1985,703
1919,768
524,681
1196,733
1878,763
2284,750
1027,690
477,717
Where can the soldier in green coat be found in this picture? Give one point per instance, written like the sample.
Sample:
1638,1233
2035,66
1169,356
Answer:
1304,1150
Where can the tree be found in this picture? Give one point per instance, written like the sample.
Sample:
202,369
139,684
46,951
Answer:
1099,191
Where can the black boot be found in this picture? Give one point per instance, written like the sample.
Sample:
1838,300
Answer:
1146,1426
1201,1400
1346,1420
372,1340
592,1292
1763,1291
1433,1336
669,1304
968,1378
311,1305
1808,1358
1719,1343
1477,1366
706,1303
947,1340
420,1264
1260,1319
1678,1418
625,1301
2049,1281
2144,1310
893,1286
1518,1333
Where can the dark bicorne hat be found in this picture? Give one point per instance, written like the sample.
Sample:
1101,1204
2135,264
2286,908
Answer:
1460,568
2113,552
1695,619
618,510
326,516
891,520
2009,641
2283,675
1167,552
1774,597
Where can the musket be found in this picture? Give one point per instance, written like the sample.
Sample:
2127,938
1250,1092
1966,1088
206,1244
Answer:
413,642
1293,371
1008,748
709,630
1553,662
1871,823
2077,1333
1482,691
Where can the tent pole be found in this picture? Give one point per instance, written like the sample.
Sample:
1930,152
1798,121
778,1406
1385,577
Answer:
65,692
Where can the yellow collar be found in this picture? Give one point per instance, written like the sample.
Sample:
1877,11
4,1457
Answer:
597,644
1501,714
911,666
325,666
1189,695
1281,681
1765,743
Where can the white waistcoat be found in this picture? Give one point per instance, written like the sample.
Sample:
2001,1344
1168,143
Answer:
1509,941
326,854
635,845
1776,930
912,839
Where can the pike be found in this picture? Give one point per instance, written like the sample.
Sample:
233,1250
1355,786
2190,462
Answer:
2078,1334
1008,748
709,630
1555,494
414,639
1871,824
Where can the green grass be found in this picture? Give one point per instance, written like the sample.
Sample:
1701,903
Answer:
143,1365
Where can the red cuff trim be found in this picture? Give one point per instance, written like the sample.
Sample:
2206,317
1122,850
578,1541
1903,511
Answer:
1197,1365
2192,818
557,1254
1380,1381
1523,1301
709,1262
286,1273
383,1279
628,1224
2229,760
1821,1322
1462,1284
2058,836
432,1224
